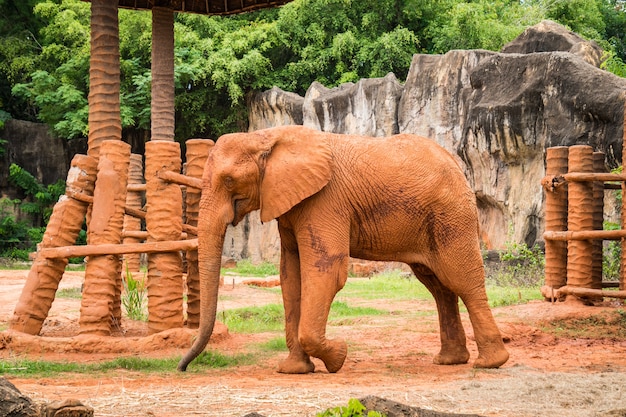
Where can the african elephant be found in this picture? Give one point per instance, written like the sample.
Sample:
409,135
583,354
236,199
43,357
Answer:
402,198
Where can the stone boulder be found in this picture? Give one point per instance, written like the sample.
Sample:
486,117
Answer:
496,112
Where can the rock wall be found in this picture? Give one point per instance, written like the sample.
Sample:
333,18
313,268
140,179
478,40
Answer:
496,111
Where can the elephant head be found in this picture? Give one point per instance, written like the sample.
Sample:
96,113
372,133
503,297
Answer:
271,170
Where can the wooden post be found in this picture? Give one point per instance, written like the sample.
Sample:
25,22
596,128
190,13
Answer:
197,154
65,223
100,305
556,219
162,113
134,200
580,218
164,222
598,220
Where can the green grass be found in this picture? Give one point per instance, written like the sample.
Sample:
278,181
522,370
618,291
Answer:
387,285
277,344
254,319
72,293
506,296
246,268
206,360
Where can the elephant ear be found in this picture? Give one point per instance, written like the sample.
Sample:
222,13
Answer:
298,164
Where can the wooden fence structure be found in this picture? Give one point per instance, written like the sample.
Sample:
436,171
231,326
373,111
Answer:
575,183
109,193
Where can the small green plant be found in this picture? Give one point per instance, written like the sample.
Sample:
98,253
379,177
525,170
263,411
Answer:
277,344
354,409
134,297
611,255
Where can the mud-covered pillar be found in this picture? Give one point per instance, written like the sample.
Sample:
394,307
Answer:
134,200
197,154
104,76
164,223
598,220
162,106
580,218
100,303
556,219
63,228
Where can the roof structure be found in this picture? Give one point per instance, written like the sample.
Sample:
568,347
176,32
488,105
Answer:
206,7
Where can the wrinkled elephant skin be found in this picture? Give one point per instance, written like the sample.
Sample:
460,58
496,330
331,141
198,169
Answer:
402,198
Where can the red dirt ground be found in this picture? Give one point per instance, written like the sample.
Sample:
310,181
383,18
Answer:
389,356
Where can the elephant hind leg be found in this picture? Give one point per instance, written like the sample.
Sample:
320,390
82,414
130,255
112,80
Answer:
453,343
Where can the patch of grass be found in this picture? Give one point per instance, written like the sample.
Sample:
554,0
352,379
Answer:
206,360
254,319
71,293
246,268
393,284
135,297
607,326
277,344
339,309
506,296
354,409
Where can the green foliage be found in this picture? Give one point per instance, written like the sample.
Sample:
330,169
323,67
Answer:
354,409
520,267
340,309
612,255
135,297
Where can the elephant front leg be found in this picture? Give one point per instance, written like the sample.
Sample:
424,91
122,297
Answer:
322,278
298,361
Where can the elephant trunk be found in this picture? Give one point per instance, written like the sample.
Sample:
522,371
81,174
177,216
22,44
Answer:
209,264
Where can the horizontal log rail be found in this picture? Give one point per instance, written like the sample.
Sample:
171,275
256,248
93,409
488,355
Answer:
181,179
588,292
585,235
121,249
136,187
550,183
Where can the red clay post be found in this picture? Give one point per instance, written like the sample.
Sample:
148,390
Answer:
65,223
197,154
580,218
598,220
104,76
556,219
100,303
134,200
164,223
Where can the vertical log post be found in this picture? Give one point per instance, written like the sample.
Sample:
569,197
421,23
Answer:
580,218
63,228
162,113
197,154
598,220
134,199
164,222
104,76
101,293
556,219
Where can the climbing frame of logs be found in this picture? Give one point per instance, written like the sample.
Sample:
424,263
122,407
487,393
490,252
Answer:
108,193
575,183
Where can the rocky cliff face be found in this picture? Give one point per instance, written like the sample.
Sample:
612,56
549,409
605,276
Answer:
497,112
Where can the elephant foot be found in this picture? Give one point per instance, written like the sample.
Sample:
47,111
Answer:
293,365
494,359
337,355
452,355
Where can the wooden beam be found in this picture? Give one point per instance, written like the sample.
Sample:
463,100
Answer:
173,177
113,249
585,235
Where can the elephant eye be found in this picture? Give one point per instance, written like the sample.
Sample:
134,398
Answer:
229,183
